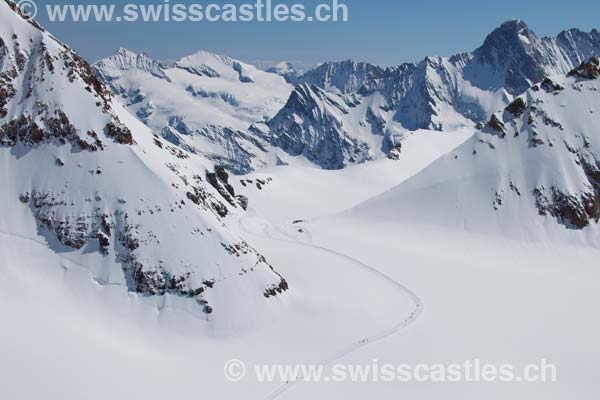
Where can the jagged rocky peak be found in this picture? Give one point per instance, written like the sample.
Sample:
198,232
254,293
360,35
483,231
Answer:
124,60
345,76
514,55
513,33
516,58
314,124
307,96
222,95
579,45
82,173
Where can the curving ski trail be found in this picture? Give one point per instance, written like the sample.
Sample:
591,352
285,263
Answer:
397,327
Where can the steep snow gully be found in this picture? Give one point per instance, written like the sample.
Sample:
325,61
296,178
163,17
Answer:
249,220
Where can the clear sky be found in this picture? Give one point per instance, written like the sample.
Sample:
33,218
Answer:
379,31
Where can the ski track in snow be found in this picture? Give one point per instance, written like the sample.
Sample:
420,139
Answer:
404,323
351,348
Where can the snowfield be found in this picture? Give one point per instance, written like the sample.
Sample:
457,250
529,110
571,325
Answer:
485,297
77,338
299,190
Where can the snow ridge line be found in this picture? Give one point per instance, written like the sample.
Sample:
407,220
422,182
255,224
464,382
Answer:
404,323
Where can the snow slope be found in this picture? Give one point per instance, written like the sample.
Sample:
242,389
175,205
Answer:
305,191
78,339
500,282
486,297
533,171
82,174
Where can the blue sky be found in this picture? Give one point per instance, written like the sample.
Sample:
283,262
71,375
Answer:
380,31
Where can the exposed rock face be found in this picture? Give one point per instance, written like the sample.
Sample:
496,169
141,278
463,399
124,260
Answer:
310,125
219,179
573,211
345,77
276,290
517,107
587,70
578,45
115,230
497,126
549,86
7,90
440,93
30,67
243,147
395,153
120,133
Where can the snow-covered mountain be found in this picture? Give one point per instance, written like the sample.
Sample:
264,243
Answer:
100,188
344,77
437,93
512,57
206,103
532,171
203,103
331,130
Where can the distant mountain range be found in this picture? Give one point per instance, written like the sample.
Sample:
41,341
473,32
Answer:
340,113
